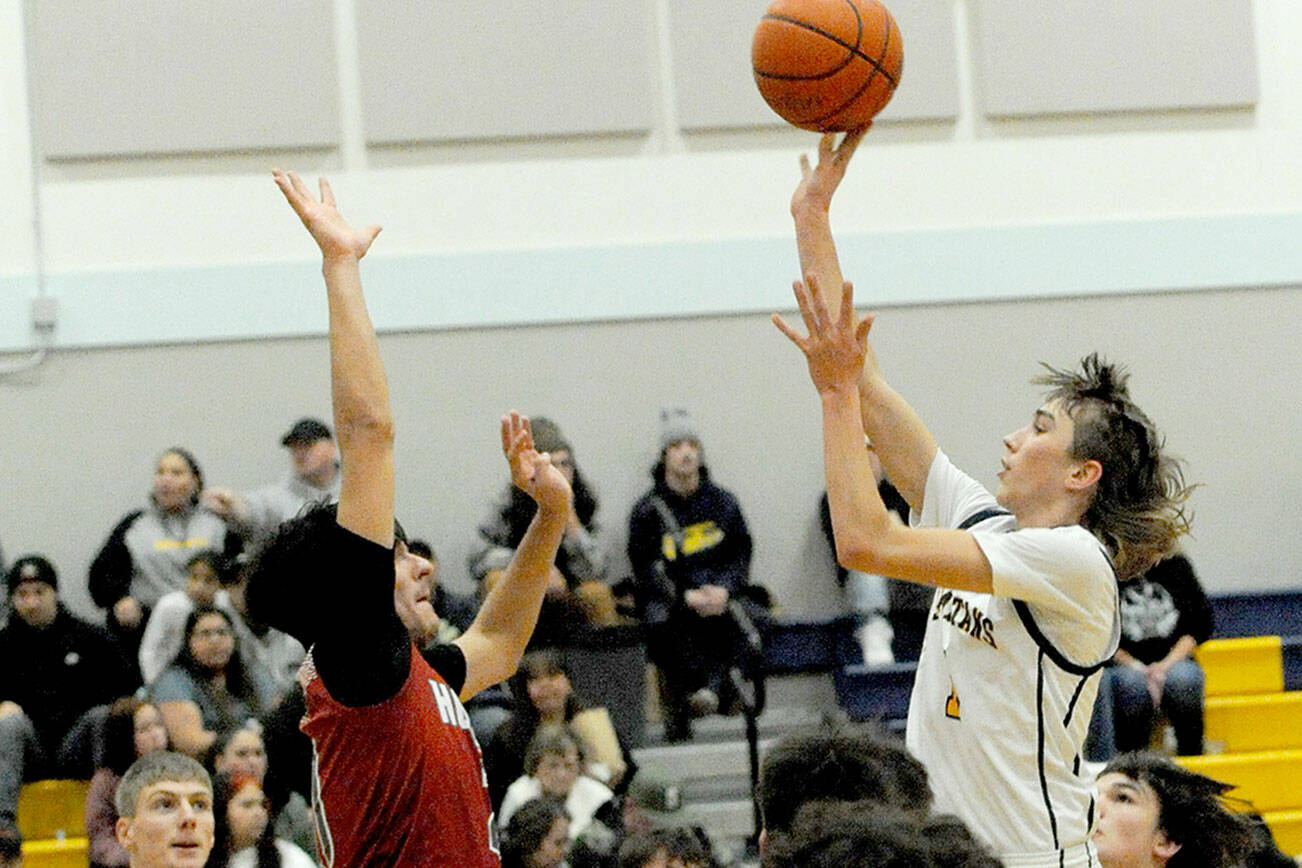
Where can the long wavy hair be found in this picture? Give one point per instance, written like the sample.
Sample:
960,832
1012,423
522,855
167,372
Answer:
238,681
225,787
1138,509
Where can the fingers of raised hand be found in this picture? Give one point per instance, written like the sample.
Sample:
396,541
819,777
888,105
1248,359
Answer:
847,304
327,195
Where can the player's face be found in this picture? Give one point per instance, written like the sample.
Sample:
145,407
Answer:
558,772
413,578
1126,832
1037,462
36,603
172,828
247,815
551,850
149,734
212,641
175,484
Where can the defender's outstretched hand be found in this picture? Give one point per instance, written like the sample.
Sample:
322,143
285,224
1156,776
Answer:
328,228
817,184
532,471
835,347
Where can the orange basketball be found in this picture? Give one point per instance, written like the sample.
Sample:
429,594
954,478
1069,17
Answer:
827,65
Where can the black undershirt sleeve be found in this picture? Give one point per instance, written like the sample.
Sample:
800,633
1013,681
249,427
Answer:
449,663
361,650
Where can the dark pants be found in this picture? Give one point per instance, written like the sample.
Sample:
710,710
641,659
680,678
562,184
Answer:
691,652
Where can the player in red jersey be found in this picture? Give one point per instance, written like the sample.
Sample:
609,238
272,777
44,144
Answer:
397,772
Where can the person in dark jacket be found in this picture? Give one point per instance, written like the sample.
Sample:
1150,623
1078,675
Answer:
55,668
690,551
1165,615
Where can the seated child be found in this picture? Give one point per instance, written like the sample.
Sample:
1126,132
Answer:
552,768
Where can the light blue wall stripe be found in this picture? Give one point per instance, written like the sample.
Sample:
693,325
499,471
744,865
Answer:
664,280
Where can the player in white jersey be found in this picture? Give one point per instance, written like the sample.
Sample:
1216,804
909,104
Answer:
1026,611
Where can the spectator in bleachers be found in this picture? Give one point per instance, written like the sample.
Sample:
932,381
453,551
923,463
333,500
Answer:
842,763
544,696
165,627
146,553
890,615
243,751
11,849
1153,813
665,848
314,478
54,667
132,728
578,593
1165,615
554,767
537,836
165,812
244,836
690,551
209,689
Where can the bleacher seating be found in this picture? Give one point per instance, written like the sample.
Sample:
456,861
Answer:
52,819
1254,728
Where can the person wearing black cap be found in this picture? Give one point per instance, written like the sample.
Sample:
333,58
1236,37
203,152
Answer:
313,479
55,668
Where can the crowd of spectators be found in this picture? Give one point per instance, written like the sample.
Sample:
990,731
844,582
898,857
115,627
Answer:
178,665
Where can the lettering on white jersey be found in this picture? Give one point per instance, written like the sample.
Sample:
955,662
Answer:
964,616
953,708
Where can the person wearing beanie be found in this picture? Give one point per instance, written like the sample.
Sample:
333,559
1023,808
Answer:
56,667
313,478
579,594
690,551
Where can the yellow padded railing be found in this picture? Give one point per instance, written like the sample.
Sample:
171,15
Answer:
1252,664
52,809
1266,721
1286,826
1268,779
66,853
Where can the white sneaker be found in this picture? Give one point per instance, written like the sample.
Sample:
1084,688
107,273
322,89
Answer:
703,702
875,637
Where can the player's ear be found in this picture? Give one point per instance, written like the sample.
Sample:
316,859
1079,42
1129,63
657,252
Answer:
1085,475
1164,848
122,829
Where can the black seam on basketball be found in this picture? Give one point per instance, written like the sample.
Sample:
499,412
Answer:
851,51
855,51
886,42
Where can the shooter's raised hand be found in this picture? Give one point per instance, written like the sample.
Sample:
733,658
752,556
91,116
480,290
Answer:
532,471
818,183
336,238
836,346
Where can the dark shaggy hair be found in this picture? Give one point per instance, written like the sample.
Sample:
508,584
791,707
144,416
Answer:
838,763
294,558
238,681
676,842
873,835
225,787
527,828
1191,811
1138,506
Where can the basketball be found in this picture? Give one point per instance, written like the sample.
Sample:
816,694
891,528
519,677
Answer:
827,65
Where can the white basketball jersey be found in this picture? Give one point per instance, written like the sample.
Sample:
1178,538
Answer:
1006,682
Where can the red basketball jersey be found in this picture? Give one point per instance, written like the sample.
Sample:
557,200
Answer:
399,783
